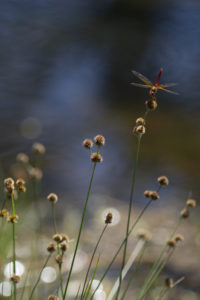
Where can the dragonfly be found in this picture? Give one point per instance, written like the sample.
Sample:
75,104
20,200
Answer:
153,87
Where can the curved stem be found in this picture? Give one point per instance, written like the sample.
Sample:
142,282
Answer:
91,260
80,230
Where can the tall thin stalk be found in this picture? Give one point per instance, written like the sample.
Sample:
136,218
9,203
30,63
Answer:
91,260
13,242
80,229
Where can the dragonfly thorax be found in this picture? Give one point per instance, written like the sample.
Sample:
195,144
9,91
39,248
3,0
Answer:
153,91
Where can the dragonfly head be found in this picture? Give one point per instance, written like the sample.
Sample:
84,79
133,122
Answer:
153,91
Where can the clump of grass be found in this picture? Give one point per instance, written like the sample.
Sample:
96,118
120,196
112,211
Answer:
58,247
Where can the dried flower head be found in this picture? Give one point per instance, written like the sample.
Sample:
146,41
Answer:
51,247
4,212
184,213
64,246
53,198
57,237
13,219
99,140
144,234
163,180
9,184
140,121
59,259
20,185
96,158
88,144
171,243
151,104
15,278
35,173
179,238
53,297
147,193
22,158
109,218
39,148
140,129
169,282
191,203
64,237
154,195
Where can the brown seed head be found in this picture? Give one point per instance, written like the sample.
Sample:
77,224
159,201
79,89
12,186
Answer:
15,278
64,246
39,148
20,182
191,203
169,282
140,129
57,237
52,297
151,104
154,195
163,180
36,173
53,198
22,189
13,219
51,247
109,218
99,140
179,238
184,213
9,184
4,212
64,237
144,234
59,259
22,158
96,158
140,121
171,243
88,144
147,193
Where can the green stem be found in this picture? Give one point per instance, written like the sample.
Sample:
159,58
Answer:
91,260
129,212
120,247
80,230
53,217
38,280
13,241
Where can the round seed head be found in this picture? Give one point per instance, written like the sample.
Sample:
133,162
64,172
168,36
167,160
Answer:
99,140
144,234
52,297
191,203
179,238
109,218
140,129
154,195
22,189
20,182
169,282
184,213
140,121
22,158
88,144
51,247
63,246
36,173
39,148
59,259
9,183
4,213
13,219
53,198
171,243
147,193
64,237
15,278
96,158
163,180
57,237
151,104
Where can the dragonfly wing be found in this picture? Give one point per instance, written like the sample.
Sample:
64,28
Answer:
167,85
142,78
168,91
141,85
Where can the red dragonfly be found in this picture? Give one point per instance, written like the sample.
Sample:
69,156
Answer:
153,87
